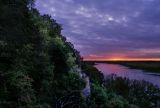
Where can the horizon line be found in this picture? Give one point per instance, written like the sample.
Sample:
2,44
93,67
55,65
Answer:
147,59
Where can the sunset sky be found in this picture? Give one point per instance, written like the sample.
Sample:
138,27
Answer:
109,29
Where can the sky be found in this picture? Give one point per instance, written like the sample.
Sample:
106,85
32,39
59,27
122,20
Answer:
108,29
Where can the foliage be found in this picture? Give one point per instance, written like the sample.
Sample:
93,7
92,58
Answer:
101,98
95,75
141,93
38,66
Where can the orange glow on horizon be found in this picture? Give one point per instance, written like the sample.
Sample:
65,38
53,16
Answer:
121,59
118,57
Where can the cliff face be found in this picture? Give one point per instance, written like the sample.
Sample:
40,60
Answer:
86,90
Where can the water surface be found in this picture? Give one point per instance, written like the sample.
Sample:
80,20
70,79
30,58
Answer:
123,71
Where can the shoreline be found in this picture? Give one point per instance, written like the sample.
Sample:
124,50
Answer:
146,66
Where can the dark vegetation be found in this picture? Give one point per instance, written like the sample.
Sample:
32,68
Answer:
148,66
37,64
38,67
141,93
118,92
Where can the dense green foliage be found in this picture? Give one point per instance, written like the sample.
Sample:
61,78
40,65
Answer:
141,93
101,98
95,75
37,65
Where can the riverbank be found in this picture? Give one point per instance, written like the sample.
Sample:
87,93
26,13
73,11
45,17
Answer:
132,74
147,66
122,91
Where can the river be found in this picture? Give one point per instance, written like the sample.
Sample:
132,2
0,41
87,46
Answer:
123,71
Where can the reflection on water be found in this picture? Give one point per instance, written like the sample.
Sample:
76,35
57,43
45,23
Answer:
123,71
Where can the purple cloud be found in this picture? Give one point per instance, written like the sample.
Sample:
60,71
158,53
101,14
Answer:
108,27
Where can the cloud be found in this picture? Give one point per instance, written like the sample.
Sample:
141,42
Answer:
107,27
83,11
